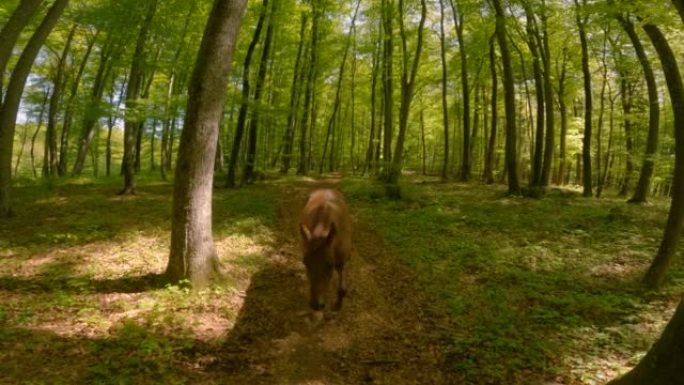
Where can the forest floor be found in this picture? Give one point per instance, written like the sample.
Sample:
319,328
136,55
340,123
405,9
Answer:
453,284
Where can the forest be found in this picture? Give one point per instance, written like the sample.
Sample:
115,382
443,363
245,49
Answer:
514,170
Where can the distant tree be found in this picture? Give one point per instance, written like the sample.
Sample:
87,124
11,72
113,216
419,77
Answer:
134,90
193,255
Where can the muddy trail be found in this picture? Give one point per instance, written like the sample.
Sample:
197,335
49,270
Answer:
388,332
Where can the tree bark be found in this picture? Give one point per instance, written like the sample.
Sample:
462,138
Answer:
656,273
509,101
586,140
41,115
550,138
387,84
11,31
562,156
10,106
193,255
664,362
491,146
309,111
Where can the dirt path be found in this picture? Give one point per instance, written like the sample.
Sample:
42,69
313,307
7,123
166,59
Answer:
387,332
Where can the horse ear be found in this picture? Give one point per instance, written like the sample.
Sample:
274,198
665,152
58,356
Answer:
331,233
306,234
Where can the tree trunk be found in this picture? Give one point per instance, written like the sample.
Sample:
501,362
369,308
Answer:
370,152
562,156
532,43
509,101
408,85
602,108
133,90
308,113
466,162
387,84
11,31
445,105
10,106
41,115
664,362
295,94
648,165
242,115
656,273
491,146
586,140
248,174
550,139
193,255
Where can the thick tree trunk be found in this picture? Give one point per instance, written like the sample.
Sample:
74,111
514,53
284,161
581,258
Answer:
133,90
664,362
193,255
244,104
509,101
11,31
586,141
10,106
656,273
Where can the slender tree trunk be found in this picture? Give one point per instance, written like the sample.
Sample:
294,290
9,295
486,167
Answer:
11,31
295,93
193,255
370,152
90,117
248,174
408,84
133,91
387,84
539,89
41,115
509,100
466,162
242,115
602,108
445,105
562,156
582,19
648,165
550,139
491,146
10,106
309,113
656,273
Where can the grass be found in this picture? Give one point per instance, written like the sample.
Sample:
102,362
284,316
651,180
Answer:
537,290
80,292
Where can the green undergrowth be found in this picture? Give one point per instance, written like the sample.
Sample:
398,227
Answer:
538,290
82,299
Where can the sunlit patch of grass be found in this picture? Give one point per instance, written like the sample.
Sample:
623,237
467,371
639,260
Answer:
80,271
535,288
